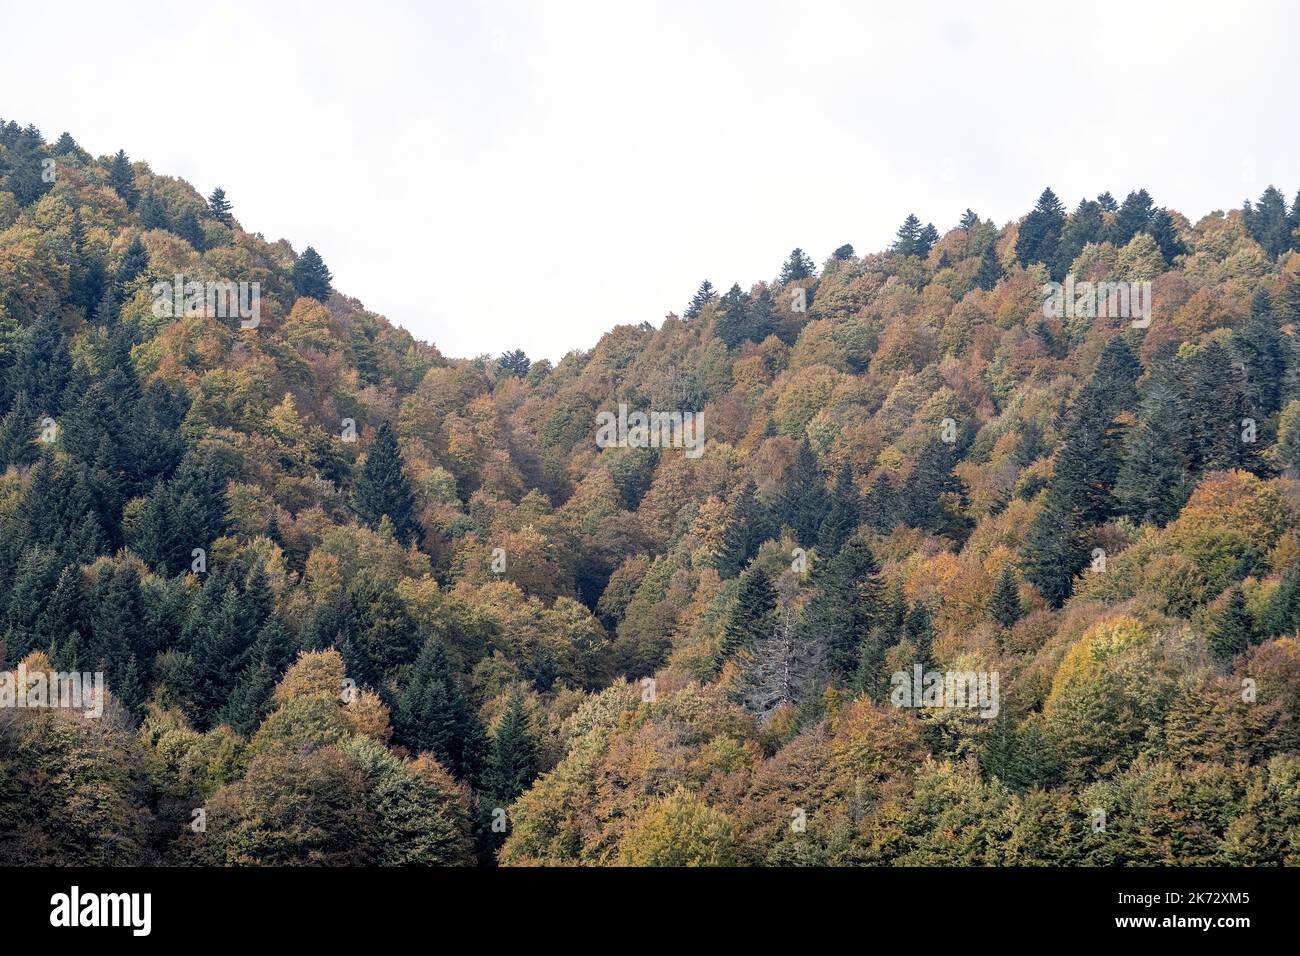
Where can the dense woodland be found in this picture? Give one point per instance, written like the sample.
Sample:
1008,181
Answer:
466,635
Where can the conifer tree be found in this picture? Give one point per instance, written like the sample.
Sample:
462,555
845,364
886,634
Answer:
845,608
220,206
433,716
382,488
703,296
843,253
513,764
311,277
1261,348
1040,233
803,502
926,239
968,220
748,526
799,266
1107,202
1005,607
990,269
753,615
121,179
1134,216
733,325
1268,222
188,228
1232,630
1152,483
1166,236
842,518
151,212
907,237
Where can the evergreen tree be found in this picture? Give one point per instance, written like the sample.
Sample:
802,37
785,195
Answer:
845,608
1055,550
733,326
1166,236
703,296
907,237
121,179
798,267
188,228
513,763
1134,216
1232,629
803,502
311,278
1268,222
18,431
1040,233
135,262
926,239
844,253
1262,350
514,363
841,519
1152,484
990,269
250,701
753,615
433,716
1085,226
968,220
220,207
151,212
382,489
1107,202
1005,607
748,526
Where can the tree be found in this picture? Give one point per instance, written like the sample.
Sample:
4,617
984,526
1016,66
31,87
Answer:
841,519
844,253
433,715
512,766
1040,233
1166,236
151,212
1152,484
748,526
1232,629
926,239
382,488
802,502
680,829
311,278
845,608
733,325
1134,216
908,236
188,228
1085,226
1005,607
121,179
968,220
798,267
220,207
1107,202
514,363
752,617
1261,348
703,296
990,268
1268,222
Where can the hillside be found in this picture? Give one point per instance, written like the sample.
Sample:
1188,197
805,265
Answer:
358,602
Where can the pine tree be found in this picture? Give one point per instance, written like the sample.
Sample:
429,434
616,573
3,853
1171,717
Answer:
803,502
513,763
433,716
990,268
1261,348
926,239
753,615
1152,484
798,267
151,212
703,296
748,526
188,228
220,207
382,488
514,363
1268,222
311,278
1005,607
121,179
907,237
845,608
1040,233
1166,236
1232,629
1134,216
841,519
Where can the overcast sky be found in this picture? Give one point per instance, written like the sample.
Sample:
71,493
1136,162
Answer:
495,175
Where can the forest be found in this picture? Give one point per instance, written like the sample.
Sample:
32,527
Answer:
356,602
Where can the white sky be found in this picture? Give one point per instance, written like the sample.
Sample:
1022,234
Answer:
493,175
